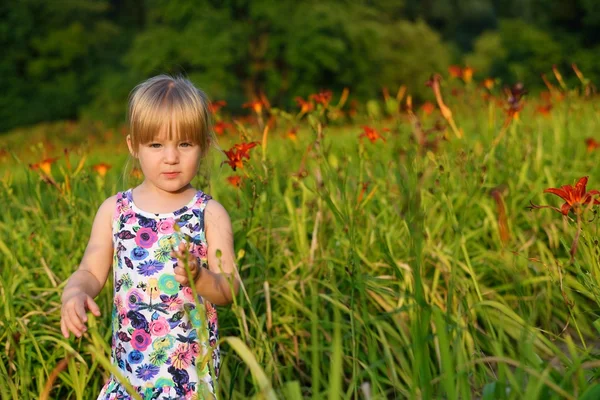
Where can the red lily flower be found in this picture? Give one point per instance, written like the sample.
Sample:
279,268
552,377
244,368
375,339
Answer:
544,110
575,197
215,106
256,105
236,155
455,71
221,127
428,107
235,180
371,134
591,144
305,105
322,98
101,168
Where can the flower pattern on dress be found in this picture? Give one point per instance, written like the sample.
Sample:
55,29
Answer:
156,343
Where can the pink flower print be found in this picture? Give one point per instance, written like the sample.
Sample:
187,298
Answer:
159,327
195,349
119,303
134,298
129,217
181,358
199,250
165,226
145,237
188,294
140,339
174,303
211,313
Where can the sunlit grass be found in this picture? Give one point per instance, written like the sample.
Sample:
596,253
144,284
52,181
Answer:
371,269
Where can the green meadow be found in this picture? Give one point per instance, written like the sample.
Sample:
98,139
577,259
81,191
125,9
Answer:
387,251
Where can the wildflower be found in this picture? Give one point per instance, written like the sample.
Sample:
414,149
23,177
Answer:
544,110
574,197
101,168
292,133
455,71
45,165
467,74
323,97
428,107
305,105
235,180
591,144
256,105
488,83
237,153
371,134
221,127
215,106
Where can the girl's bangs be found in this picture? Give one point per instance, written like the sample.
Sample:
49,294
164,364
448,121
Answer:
182,117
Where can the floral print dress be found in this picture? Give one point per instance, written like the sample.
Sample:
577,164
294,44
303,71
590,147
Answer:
161,342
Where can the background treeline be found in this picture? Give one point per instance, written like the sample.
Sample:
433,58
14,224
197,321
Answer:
66,59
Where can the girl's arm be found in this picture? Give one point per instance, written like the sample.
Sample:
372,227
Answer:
216,283
89,279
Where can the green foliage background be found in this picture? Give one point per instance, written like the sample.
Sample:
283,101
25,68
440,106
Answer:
80,58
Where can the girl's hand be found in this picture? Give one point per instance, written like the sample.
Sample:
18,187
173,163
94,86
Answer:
73,314
182,254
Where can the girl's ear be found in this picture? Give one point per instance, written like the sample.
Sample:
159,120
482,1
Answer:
130,146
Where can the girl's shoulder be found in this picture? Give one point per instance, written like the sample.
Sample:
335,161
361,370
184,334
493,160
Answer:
215,213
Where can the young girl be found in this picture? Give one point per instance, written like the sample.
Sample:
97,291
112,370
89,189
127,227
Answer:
147,234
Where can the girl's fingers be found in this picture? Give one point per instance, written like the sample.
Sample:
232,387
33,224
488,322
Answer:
63,328
71,325
92,306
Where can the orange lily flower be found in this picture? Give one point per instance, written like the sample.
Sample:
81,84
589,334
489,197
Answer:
101,168
371,134
455,71
575,197
305,105
488,83
256,105
322,98
215,106
428,107
235,181
544,110
591,144
221,127
236,155
292,133
45,165
467,74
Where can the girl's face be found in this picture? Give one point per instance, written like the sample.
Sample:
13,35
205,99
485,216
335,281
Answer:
167,164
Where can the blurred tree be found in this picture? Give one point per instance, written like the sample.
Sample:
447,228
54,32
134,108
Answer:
52,54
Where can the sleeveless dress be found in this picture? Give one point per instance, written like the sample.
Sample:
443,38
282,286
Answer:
161,341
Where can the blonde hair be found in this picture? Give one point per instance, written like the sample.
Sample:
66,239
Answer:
174,101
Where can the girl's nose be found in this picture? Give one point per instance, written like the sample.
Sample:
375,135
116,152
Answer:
171,155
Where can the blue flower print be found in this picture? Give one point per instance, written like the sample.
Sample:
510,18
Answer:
135,357
139,253
150,267
147,371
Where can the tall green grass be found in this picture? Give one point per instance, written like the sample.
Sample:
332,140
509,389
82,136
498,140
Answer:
403,290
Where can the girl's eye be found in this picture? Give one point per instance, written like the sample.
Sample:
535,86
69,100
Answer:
154,145
186,144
